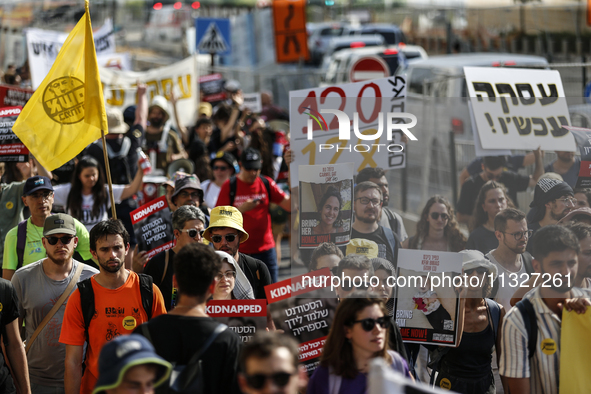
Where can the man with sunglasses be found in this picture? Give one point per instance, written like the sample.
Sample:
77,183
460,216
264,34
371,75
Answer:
493,169
187,191
510,256
188,223
368,210
553,200
269,364
226,233
23,243
39,286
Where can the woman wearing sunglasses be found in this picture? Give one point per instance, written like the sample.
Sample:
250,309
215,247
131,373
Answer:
329,213
491,200
467,369
231,283
437,229
359,333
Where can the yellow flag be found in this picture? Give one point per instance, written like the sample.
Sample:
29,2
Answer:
67,111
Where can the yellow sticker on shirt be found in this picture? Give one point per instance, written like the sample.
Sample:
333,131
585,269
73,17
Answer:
445,384
129,323
548,346
1,307
9,205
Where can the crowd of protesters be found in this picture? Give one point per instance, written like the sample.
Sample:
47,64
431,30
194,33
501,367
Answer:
70,271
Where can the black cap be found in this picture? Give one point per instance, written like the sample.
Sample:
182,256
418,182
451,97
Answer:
35,183
227,158
548,190
251,159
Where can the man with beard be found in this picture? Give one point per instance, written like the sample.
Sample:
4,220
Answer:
368,209
161,138
566,165
113,302
555,250
226,233
510,256
553,200
389,218
38,287
583,233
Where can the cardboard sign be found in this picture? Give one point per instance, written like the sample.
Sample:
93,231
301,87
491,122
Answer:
291,39
372,101
212,87
252,101
11,148
519,108
574,352
326,195
13,96
427,306
304,307
244,317
152,224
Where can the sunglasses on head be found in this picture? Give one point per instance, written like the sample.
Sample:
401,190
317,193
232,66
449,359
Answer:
479,270
65,240
258,381
218,238
193,232
369,324
435,216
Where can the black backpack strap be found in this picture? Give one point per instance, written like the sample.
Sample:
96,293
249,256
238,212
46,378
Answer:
392,221
528,313
147,292
495,313
232,189
527,259
267,186
218,330
21,242
86,303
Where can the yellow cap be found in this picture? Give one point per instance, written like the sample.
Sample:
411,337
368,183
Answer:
226,216
362,247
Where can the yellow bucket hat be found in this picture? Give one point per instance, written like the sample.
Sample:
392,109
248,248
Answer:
362,247
226,216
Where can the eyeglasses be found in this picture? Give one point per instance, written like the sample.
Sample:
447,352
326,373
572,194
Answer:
218,238
42,195
479,270
369,324
348,285
194,195
568,201
258,381
65,240
365,201
435,216
228,275
193,232
520,234
220,168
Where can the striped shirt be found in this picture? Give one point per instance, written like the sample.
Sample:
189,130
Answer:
544,369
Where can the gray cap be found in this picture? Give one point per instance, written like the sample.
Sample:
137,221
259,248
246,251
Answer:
59,223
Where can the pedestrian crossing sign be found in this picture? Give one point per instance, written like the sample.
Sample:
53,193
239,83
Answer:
213,35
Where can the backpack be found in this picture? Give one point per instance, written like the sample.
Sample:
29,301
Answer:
186,378
392,220
21,242
233,188
87,299
526,308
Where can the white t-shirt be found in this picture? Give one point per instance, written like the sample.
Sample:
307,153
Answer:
211,191
505,293
60,197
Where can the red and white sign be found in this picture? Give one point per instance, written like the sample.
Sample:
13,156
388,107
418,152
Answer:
371,67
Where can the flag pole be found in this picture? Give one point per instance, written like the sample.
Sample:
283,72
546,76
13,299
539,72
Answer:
108,170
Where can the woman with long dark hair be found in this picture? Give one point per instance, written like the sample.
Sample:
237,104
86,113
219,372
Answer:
437,229
329,212
359,333
87,197
491,200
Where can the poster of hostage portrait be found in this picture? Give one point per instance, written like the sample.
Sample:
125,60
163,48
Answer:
244,317
152,224
326,193
427,302
304,307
